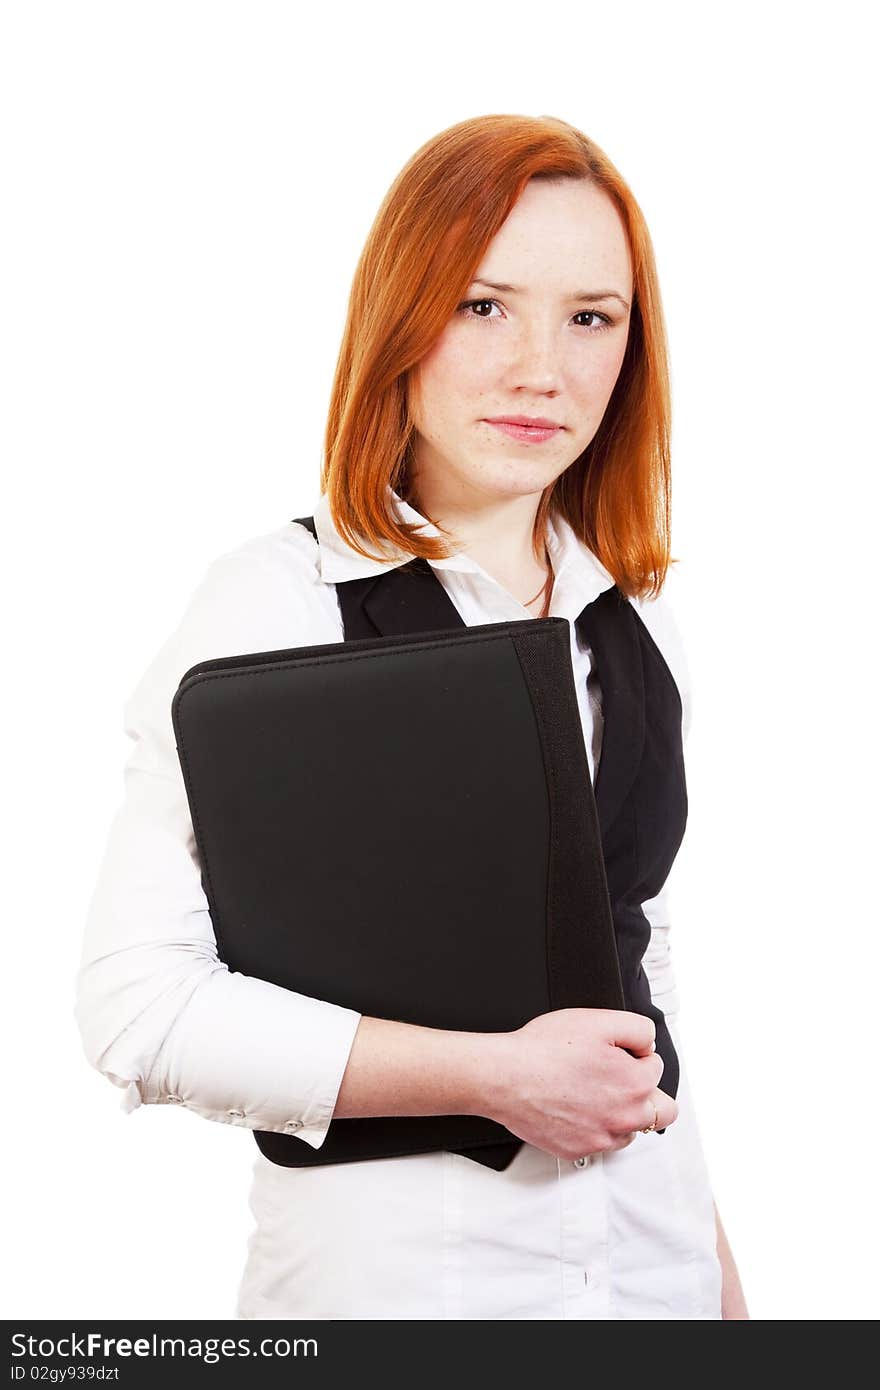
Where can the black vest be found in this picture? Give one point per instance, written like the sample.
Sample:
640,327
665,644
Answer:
640,788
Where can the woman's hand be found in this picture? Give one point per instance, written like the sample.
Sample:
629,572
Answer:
565,1083
733,1302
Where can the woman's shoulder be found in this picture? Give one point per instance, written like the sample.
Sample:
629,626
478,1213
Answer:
264,591
263,594
289,552
662,617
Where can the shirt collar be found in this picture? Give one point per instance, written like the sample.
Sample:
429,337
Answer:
579,576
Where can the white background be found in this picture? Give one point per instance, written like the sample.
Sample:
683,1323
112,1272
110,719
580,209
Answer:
187,188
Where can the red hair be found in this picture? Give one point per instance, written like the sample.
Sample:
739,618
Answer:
429,236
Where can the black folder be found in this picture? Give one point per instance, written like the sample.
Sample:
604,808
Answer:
406,826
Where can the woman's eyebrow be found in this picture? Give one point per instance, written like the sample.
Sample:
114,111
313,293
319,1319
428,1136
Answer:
592,296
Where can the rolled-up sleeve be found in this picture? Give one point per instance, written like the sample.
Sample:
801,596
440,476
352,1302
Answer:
159,1014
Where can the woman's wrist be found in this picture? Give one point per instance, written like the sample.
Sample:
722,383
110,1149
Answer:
487,1073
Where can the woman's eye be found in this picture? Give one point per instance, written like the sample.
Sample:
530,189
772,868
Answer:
600,321
478,304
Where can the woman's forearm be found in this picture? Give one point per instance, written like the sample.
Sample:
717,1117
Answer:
733,1303
404,1069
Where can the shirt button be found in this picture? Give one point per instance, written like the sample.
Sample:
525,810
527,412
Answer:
235,1114
292,1126
581,1162
174,1100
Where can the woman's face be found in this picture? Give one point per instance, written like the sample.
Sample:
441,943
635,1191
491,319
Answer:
549,344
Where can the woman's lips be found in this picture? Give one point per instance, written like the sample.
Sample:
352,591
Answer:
526,434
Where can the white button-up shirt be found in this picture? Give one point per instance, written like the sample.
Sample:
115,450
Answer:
627,1234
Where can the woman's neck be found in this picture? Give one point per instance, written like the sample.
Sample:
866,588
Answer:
499,536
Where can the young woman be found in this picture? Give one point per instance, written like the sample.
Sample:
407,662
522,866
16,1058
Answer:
501,410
